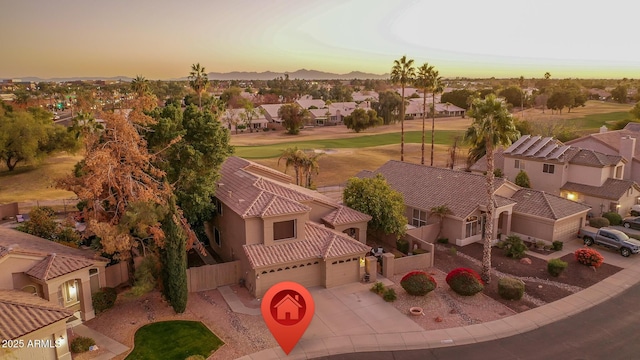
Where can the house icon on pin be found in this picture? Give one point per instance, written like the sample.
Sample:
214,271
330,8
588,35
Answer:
288,308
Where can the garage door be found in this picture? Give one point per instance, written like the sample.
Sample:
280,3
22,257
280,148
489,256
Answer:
343,271
306,274
567,229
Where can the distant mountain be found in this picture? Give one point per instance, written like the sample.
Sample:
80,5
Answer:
82,78
303,74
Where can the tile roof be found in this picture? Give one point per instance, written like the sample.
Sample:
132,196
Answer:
22,313
425,187
498,161
611,139
17,241
253,190
586,157
319,242
56,265
612,189
539,203
345,215
307,103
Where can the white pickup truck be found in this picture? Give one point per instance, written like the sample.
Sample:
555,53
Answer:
610,238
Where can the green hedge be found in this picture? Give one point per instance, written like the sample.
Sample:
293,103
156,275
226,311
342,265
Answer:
556,266
614,218
599,222
510,288
465,281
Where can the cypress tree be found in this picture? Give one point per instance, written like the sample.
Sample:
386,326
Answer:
174,261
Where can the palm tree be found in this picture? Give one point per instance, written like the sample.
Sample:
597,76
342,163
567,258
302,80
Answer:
310,165
436,86
198,81
423,81
403,73
293,157
140,85
440,211
492,126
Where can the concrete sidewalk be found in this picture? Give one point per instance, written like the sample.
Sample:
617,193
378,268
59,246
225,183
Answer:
332,331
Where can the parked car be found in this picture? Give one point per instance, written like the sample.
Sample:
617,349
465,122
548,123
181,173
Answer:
633,223
610,238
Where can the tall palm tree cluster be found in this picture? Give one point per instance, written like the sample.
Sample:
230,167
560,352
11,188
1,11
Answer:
427,79
304,164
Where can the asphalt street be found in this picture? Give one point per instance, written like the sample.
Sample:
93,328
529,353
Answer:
610,330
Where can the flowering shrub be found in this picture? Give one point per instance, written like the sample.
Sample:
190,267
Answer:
465,281
418,283
589,257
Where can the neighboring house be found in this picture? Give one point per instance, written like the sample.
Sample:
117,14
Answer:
307,103
415,109
617,142
360,96
232,118
587,176
529,213
280,231
270,112
334,113
43,287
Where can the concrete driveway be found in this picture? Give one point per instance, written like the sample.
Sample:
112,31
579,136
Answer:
354,310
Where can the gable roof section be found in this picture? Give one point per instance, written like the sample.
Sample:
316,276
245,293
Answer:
611,139
252,190
425,187
19,242
592,158
56,265
498,161
345,215
319,242
539,203
612,189
22,313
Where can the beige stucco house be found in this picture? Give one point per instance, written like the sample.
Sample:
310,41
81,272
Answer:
588,176
42,286
530,213
280,231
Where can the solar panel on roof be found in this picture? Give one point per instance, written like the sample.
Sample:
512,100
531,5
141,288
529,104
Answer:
547,150
517,143
556,154
527,145
538,146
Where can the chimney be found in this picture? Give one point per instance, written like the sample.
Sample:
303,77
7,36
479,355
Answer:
603,129
627,150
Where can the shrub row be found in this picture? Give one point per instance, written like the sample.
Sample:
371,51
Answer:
388,294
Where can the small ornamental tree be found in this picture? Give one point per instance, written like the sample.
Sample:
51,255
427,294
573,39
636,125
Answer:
361,119
374,196
522,179
589,257
465,281
293,117
418,283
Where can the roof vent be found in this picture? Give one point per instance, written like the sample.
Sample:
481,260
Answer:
240,201
229,193
220,184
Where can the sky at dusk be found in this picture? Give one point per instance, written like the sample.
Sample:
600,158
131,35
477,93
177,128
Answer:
160,39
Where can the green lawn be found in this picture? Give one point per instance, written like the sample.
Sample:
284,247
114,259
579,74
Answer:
174,340
275,150
591,122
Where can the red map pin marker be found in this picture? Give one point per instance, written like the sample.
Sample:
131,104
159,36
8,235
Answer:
287,309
